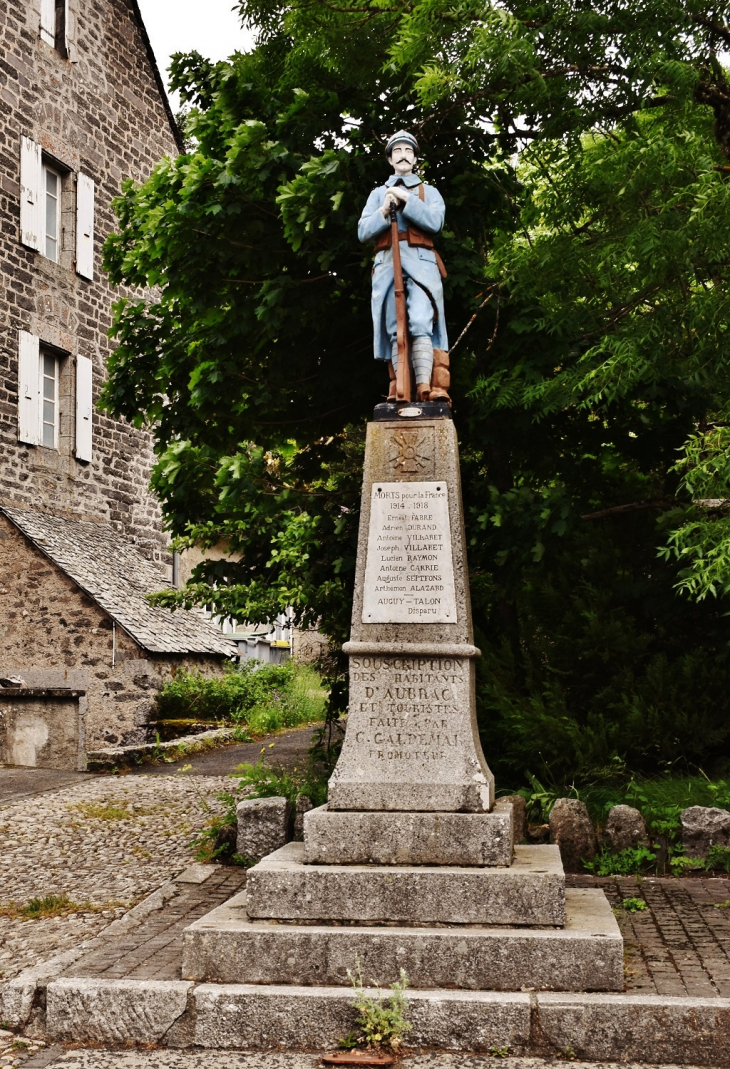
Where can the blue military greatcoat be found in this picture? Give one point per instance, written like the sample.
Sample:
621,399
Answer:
425,295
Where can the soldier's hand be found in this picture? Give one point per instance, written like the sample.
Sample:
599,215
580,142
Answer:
400,193
390,201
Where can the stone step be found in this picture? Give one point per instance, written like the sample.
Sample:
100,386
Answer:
587,954
531,891
608,1027
349,837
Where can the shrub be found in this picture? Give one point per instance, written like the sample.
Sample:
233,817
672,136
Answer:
214,841
718,859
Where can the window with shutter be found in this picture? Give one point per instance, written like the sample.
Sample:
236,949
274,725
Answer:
29,414
85,226
48,22
52,211
32,195
84,407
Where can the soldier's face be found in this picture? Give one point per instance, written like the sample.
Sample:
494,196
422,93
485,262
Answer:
402,157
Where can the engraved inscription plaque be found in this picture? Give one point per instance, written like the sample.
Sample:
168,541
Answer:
411,741
409,572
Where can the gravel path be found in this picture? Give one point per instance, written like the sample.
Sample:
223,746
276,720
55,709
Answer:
105,842
159,1059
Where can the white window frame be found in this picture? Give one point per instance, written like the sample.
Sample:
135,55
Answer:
46,354
48,168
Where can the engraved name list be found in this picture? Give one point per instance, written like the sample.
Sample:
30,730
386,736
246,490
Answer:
409,572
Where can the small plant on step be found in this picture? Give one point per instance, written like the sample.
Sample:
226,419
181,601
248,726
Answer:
499,1052
382,1025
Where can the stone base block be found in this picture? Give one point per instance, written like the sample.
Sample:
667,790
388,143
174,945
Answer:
587,954
337,837
263,826
642,1028
529,892
315,1018
114,1011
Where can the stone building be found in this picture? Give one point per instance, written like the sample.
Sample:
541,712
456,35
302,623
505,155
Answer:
81,538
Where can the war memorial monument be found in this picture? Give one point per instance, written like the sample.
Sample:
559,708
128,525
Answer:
411,864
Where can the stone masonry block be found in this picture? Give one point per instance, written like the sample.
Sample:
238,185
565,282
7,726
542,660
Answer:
263,826
641,1028
227,947
114,1011
337,837
531,891
256,1017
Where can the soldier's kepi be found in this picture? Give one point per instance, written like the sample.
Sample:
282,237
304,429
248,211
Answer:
407,298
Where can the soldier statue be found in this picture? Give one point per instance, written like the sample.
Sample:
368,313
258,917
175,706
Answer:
407,298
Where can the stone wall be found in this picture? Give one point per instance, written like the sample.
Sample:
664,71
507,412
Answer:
100,112
54,635
43,728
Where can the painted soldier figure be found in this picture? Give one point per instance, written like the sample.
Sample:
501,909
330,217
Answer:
408,288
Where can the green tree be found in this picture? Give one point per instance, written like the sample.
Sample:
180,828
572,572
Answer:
591,386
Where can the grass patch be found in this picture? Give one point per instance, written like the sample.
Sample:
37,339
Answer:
52,906
104,810
113,809
262,698
659,798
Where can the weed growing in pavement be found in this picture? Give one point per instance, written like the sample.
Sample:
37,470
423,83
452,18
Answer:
380,1024
52,906
499,1052
634,905
112,810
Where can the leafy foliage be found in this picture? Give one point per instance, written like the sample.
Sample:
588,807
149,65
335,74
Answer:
591,388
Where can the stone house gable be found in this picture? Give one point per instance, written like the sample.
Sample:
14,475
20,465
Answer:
65,587
115,575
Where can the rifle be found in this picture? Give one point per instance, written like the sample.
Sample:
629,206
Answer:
403,373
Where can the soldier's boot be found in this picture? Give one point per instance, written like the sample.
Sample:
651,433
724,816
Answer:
441,377
422,358
392,389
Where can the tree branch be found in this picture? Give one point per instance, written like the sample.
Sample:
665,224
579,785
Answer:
635,506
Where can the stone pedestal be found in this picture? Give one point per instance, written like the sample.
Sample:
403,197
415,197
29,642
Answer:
411,864
412,742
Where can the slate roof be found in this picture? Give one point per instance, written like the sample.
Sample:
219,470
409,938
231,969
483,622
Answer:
116,575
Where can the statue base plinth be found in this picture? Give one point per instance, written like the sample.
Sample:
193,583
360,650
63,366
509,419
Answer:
411,411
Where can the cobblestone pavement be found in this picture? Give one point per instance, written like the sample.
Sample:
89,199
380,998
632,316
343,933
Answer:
680,945
105,843
159,1059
